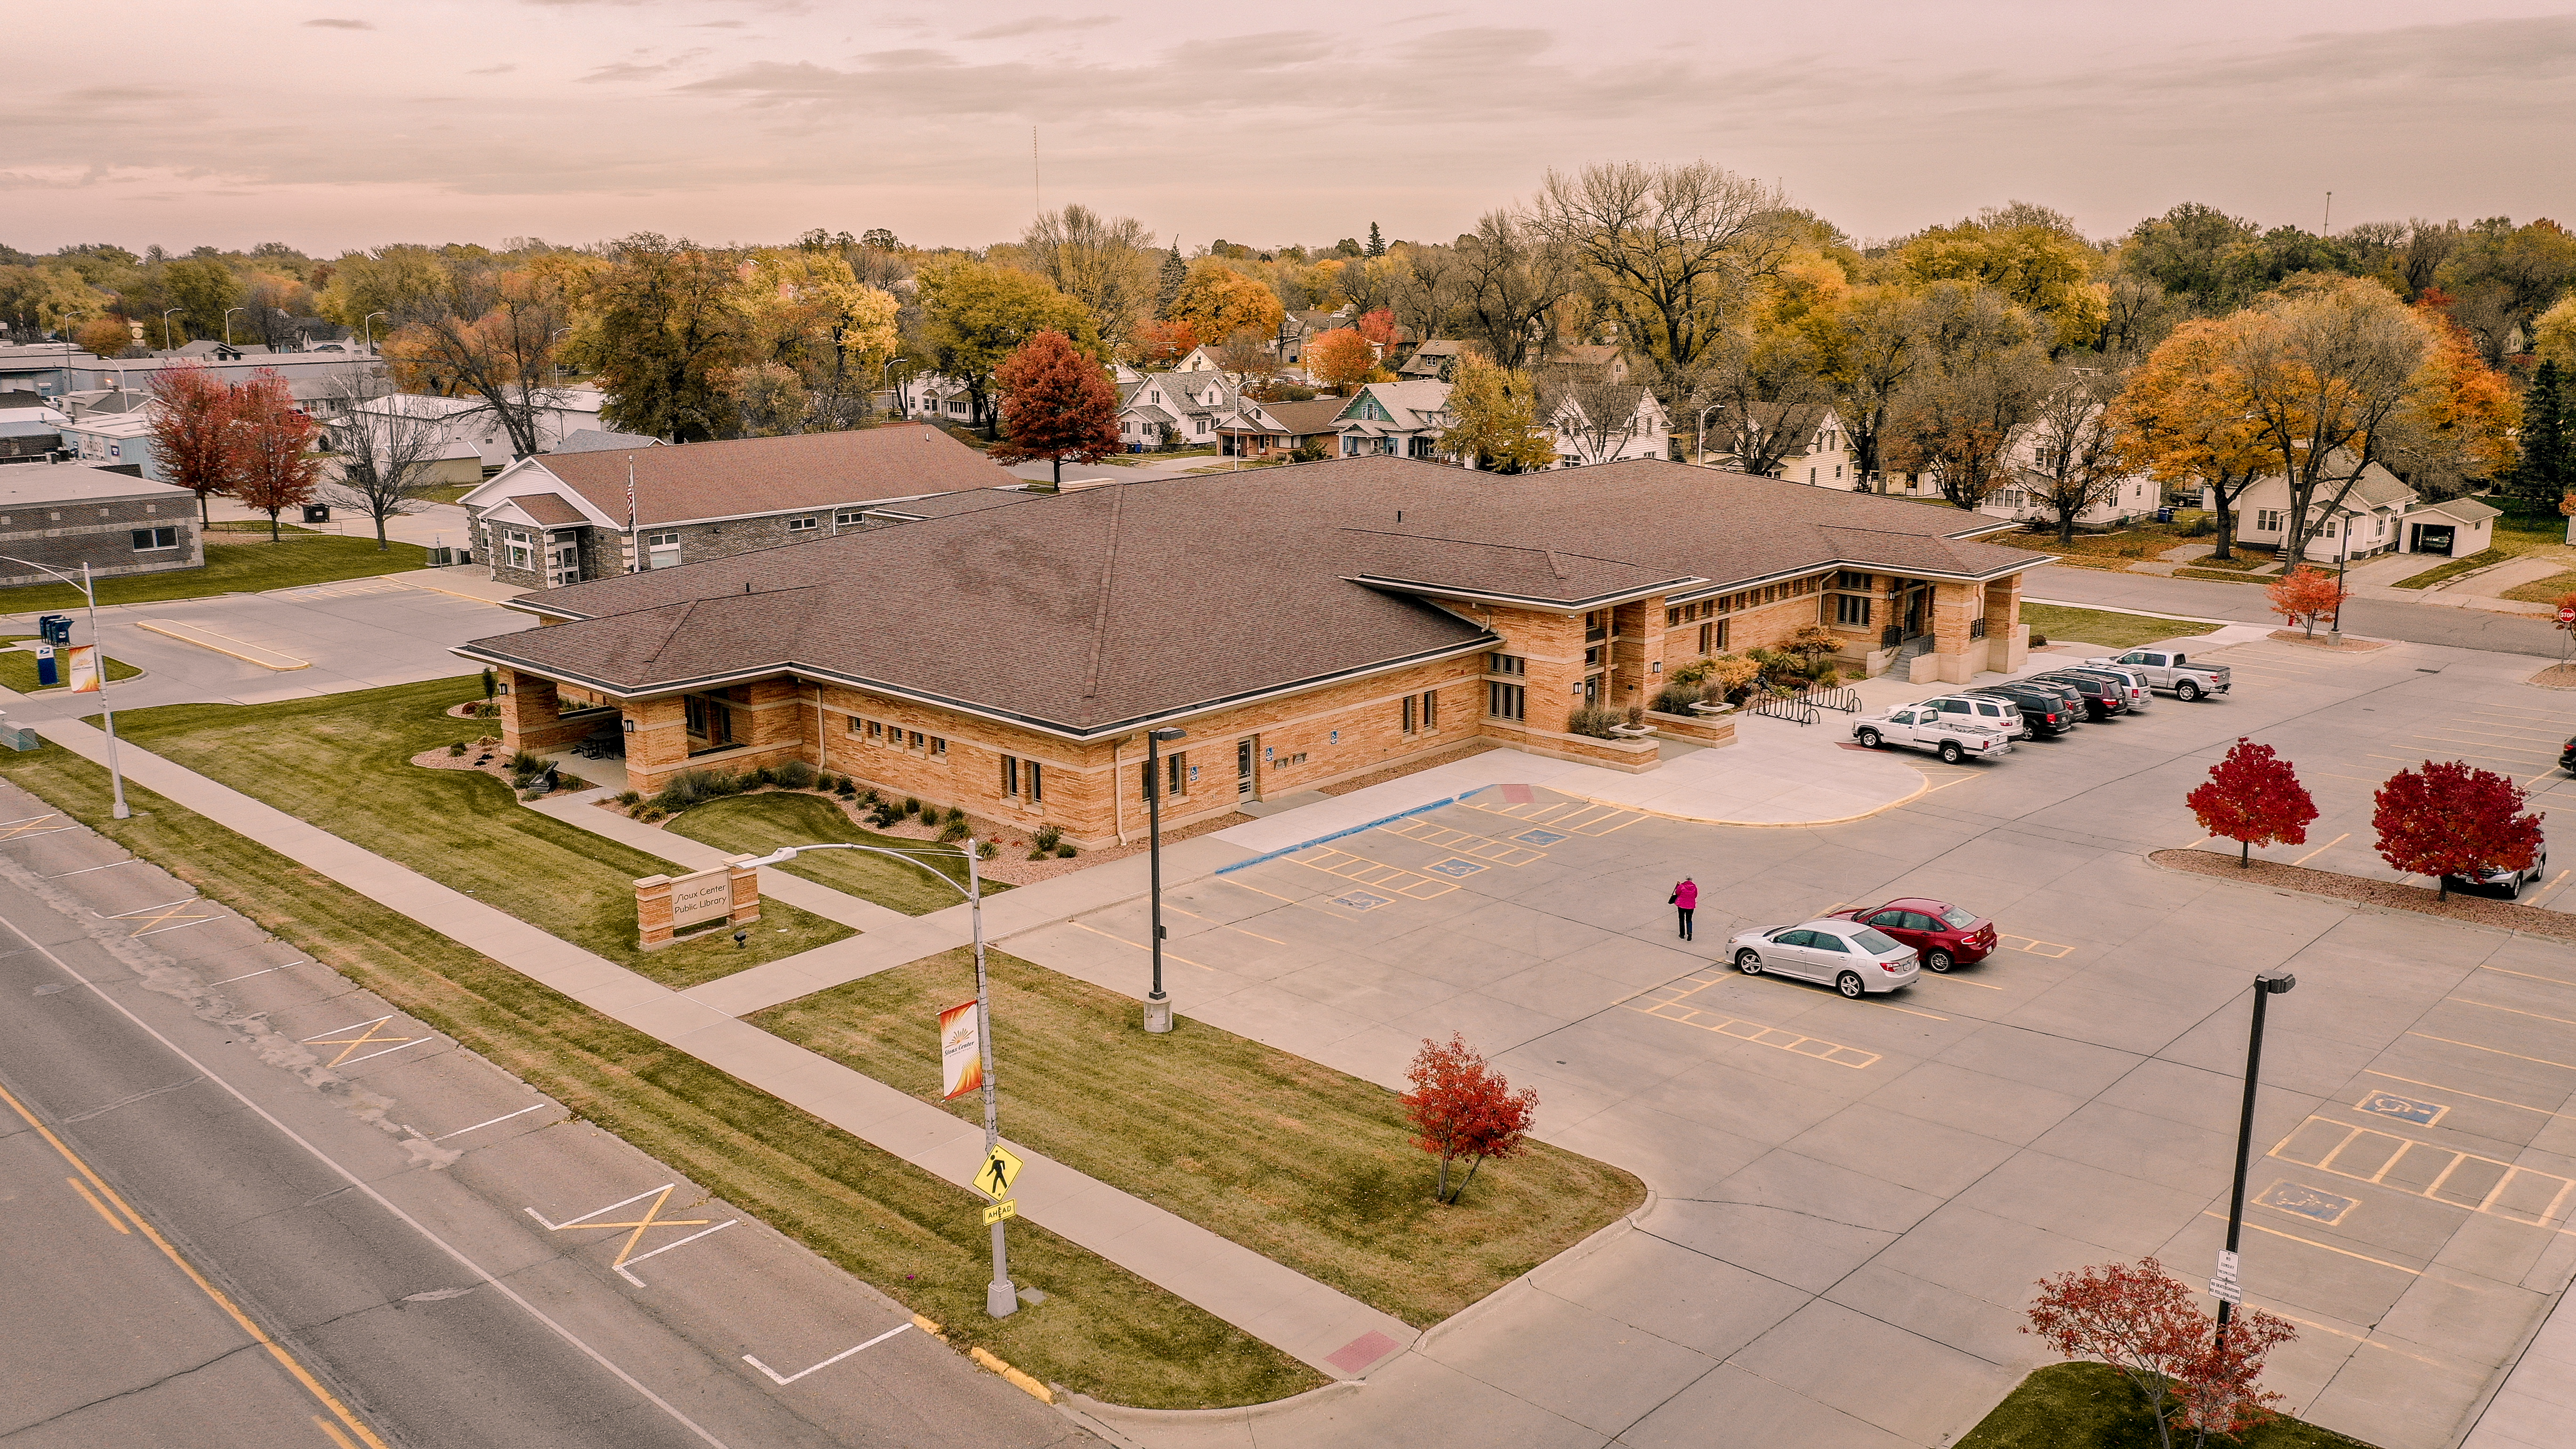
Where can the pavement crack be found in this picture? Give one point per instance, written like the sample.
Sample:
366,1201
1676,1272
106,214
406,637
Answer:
102,1111
142,1388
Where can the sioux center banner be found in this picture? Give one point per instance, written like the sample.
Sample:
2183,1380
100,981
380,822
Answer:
961,1052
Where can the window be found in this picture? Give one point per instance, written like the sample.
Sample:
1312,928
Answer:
1852,610
1505,664
876,731
803,525
2267,520
2329,528
913,742
1431,709
1712,637
850,518
1010,775
938,747
856,724
1034,776
1503,701
1176,773
150,538
1408,714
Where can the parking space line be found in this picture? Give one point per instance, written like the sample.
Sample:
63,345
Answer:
91,1198
2492,1195
2322,849
2462,1092
784,1379
2329,1247
1123,941
1228,925
2518,1011
1672,1009
1360,870
148,918
1958,980
337,1438
1574,816
1892,1006
1463,842
245,976
2031,945
84,870
479,1126
2526,975
2547,890
2499,1051
366,1037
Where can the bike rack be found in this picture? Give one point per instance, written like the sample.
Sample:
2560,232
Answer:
1784,706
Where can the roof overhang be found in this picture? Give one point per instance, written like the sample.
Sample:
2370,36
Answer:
1075,734
1523,601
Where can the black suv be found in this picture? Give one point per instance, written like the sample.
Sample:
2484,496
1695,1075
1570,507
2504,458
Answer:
2567,758
2047,712
2104,696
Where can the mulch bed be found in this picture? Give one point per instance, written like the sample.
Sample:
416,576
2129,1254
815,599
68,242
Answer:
2348,646
2390,895
491,759
2556,676
1398,772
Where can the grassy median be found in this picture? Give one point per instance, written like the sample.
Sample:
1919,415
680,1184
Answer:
343,762
759,824
236,566
2090,1406
2108,629
1295,1161
1102,1330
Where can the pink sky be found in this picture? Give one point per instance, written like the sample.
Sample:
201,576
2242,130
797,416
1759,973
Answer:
337,124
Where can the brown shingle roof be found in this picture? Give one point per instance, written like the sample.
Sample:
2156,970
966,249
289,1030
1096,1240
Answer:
1304,418
1088,613
549,509
776,475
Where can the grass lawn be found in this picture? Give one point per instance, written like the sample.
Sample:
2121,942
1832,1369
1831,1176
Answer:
1296,1161
2090,1406
343,762
1102,1330
448,493
18,668
2544,591
235,565
2453,568
2112,631
759,824
2143,539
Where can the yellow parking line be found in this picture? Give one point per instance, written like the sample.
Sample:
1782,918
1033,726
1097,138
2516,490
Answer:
2329,1247
2322,849
1211,920
2460,1092
2491,1006
2527,975
2499,1051
2552,886
1957,980
1123,941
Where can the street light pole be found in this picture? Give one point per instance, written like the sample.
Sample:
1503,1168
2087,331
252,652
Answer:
165,329
228,323
98,646
1001,1298
367,328
1158,1007
2267,985
884,373
2343,562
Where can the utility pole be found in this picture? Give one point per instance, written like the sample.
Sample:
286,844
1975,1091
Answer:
1001,1300
1158,1007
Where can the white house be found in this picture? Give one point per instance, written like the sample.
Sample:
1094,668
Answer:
2344,522
2455,526
1823,458
937,397
1644,433
2024,494
1176,409
470,421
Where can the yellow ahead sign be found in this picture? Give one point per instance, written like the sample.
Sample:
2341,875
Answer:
1006,1208
999,1171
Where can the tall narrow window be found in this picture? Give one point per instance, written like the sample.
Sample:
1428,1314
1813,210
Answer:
1408,714
1036,782
1707,634
1503,701
1176,774
1431,709
1010,775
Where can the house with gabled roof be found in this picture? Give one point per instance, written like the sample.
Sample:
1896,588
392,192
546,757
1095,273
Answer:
1176,409
1395,420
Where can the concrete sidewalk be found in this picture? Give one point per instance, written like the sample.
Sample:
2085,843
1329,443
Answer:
2531,1409
1319,1325
582,809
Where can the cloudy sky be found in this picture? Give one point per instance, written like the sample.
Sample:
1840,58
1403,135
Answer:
339,124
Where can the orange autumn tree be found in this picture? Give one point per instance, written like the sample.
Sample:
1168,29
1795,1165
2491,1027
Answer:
2253,797
2183,417
2461,417
1340,358
2148,1324
1056,404
1463,1108
192,418
2305,593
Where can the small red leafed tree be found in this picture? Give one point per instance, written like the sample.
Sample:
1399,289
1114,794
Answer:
1056,404
1379,327
192,416
2451,818
1340,358
273,464
2149,1325
2304,594
1160,343
2254,798
1462,1108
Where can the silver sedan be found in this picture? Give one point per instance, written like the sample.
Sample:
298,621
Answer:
1852,958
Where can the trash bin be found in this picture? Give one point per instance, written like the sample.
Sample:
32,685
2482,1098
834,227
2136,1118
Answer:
2164,515
317,513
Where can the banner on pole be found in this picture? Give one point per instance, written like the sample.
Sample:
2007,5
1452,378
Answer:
84,668
961,1052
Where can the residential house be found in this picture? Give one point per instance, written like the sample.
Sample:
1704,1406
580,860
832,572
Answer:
558,518
1433,361
937,397
1369,613
1277,429
1394,420
2029,483
471,421
1608,361
1301,328
1644,433
1176,410
2356,521
2456,527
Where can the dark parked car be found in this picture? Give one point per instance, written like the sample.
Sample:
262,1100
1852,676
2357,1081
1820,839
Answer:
2567,758
2045,712
1940,933
2505,883
2104,696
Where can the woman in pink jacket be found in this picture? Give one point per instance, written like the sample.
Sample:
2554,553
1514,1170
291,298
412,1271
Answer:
1686,900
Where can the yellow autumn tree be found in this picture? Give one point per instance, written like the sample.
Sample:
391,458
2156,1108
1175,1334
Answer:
1495,419
813,338
2031,256
1218,301
2185,418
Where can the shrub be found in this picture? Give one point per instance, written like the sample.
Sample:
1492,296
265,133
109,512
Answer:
1064,852
694,787
1048,838
523,763
956,815
649,812
883,819
1636,714
986,850
793,775
2201,527
846,788
570,782
1590,721
868,797
1677,697
630,798
954,830
1691,673
487,711
753,779
911,806
456,751
2038,640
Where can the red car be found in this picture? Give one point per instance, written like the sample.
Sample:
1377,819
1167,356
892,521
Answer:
1942,934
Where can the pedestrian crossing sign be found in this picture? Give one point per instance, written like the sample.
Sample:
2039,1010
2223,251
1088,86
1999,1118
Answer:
1001,1168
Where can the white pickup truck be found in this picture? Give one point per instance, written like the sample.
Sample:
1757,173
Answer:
2169,671
1924,726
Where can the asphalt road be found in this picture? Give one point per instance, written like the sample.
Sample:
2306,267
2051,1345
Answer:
237,1218
2372,618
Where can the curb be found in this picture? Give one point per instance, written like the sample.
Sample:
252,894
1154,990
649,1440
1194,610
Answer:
987,1359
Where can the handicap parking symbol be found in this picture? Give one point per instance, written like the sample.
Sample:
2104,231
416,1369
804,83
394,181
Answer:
2308,1202
1454,867
1360,901
1539,837
2404,1109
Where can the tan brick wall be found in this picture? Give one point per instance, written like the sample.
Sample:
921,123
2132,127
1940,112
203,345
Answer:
532,715
1750,625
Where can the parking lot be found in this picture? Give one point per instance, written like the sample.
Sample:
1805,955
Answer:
1878,1182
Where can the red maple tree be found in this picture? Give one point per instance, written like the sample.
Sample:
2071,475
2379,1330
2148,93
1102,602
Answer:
1056,404
2305,593
2254,798
2451,818
1379,327
2148,1324
192,417
1160,343
1463,1108
1340,358
273,465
